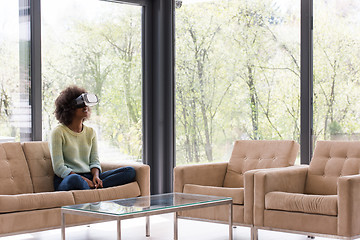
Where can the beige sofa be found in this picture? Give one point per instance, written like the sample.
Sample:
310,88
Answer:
233,179
322,198
28,201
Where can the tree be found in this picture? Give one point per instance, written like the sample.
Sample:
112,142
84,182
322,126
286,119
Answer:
232,70
103,56
199,94
336,70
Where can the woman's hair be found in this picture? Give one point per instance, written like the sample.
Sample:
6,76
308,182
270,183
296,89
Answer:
64,104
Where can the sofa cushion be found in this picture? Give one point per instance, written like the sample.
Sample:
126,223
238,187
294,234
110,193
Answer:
95,195
296,202
248,155
38,158
14,170
237,194
34,201
331,160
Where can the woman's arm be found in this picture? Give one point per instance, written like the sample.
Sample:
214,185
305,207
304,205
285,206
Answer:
57,158
95,163
94,157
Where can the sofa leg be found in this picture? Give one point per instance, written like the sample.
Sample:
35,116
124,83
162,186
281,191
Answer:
254,233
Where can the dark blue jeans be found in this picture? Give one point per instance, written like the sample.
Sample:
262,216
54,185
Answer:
111,178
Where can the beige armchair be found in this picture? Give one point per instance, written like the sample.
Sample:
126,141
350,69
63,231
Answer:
229,179
320,199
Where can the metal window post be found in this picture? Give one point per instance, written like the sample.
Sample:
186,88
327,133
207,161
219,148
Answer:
306,139
158,93
36,87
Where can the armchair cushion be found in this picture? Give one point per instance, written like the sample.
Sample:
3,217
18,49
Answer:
237,194
331,160
296,202
258,154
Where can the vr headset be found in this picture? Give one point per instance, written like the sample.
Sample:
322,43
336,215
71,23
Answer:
86,99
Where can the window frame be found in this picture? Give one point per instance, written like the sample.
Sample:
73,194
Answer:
158,61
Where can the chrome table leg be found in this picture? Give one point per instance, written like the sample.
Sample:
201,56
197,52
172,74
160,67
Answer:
118,229
230,221
62,226
175,226
254,233
147,226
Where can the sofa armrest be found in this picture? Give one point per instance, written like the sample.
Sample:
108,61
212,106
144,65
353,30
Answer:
209,174
142,174
290,179
348,205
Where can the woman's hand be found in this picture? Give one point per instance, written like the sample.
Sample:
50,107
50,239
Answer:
97,182
90,183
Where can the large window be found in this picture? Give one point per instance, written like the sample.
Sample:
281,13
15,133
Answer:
15,108
336,70
96,45
237,75
237,71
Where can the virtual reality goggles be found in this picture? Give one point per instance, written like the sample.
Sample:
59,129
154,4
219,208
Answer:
86,99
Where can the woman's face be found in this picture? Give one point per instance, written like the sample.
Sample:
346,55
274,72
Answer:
82,113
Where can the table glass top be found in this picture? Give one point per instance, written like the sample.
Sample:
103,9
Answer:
147,203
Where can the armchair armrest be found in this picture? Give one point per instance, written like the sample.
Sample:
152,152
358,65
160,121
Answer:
142,174
290,179
249,193
348,205
209,174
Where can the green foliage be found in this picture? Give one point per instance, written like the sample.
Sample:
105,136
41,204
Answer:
336,69
236,77
334,128
104,57
9,89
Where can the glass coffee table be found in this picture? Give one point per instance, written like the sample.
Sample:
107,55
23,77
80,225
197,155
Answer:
144,207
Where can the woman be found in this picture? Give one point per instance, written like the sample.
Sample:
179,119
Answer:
73,146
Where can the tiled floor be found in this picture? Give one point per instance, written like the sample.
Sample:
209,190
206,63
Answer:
161,229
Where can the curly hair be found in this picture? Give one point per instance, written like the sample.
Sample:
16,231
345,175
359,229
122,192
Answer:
64,105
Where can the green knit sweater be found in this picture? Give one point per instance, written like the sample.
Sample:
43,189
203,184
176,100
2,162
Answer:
72,151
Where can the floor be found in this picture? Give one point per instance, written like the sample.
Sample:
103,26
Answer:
161,229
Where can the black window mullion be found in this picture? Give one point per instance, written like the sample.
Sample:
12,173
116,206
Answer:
306,81
158,94
36,87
